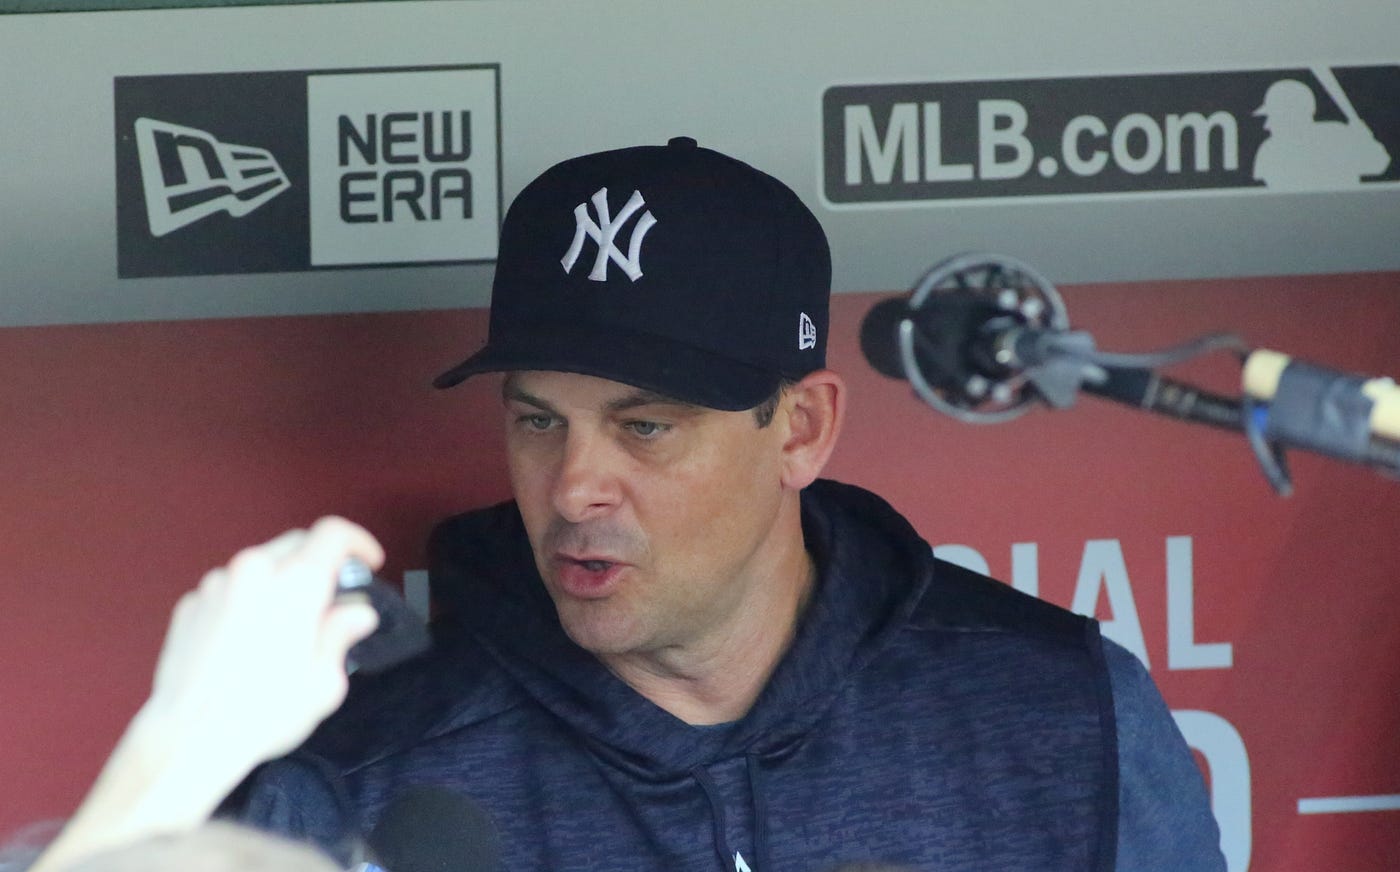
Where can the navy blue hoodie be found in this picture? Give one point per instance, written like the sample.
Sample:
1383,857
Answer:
924,716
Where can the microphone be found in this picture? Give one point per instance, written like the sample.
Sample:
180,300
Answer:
429,828
957,335
983,337
978,355
401,634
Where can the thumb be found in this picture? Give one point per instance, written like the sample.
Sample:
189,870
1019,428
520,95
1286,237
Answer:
345,624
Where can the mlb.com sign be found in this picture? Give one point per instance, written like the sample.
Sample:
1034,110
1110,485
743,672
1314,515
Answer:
280,171
1318,129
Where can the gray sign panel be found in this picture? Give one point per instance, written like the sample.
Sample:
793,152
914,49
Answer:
286,171
1286,129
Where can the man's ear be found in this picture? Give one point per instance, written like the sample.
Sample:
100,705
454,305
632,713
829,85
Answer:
813,410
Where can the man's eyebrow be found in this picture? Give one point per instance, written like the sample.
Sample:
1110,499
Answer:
642,397
510,392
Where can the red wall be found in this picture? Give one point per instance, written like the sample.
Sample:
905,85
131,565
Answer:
135,456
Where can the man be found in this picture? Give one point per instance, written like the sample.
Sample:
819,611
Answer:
677,648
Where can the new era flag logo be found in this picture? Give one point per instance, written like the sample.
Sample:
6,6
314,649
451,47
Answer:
806,332
187,175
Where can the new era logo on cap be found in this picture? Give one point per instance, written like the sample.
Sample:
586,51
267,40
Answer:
694,287
806,333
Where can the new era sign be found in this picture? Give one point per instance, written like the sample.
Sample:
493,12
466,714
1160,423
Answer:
1318,129
281,171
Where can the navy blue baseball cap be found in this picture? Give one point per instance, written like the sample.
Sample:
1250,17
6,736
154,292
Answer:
672,268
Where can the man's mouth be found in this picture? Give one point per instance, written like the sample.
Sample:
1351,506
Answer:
588,577
592,564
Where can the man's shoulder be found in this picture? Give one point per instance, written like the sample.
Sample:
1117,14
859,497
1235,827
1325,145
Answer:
960,599
966,631
870,544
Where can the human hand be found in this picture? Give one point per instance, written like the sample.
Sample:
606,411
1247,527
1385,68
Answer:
255,657
253,660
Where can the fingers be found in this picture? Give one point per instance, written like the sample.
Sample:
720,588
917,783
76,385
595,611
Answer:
333,538
324,549
276,595
301,565
255,656
329,542
345,624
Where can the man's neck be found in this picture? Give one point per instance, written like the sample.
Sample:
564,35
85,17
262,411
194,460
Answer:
717,680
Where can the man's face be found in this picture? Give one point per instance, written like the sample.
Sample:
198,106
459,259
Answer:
652,521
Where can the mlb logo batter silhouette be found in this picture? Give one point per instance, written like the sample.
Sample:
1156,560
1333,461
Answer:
1302,153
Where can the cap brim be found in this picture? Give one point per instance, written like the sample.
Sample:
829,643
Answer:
652,363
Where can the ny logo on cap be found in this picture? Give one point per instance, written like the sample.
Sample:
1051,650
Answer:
604,231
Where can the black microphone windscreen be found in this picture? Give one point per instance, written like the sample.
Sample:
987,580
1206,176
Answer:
434,829
879,336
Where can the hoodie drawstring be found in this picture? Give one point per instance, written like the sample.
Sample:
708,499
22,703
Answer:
760,814
726,857
720,825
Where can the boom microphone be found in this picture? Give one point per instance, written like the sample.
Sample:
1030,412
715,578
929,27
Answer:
959,337
969,339
982,337
1147,390
986,338
954,336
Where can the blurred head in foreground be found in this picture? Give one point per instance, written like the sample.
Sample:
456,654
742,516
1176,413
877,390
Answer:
214,847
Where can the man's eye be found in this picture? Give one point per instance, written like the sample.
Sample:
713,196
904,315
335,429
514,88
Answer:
647,429
537,422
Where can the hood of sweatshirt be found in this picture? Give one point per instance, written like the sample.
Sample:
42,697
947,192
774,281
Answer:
873,570
503,662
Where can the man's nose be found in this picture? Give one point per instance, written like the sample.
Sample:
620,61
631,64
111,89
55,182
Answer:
586,484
